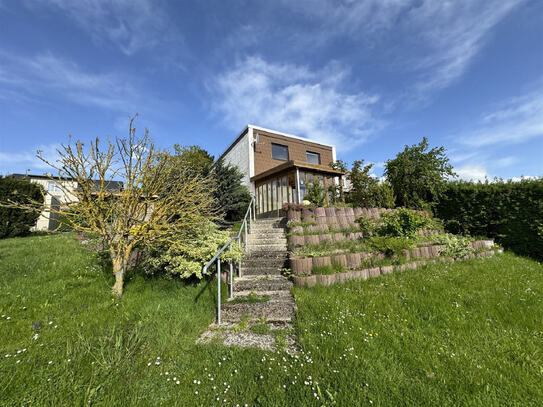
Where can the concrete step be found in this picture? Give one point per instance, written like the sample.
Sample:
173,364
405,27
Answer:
256,262
258,283
261,271
265,255
271,294
267,221
266,229
256,248
278,309
230,335
267,240
267,232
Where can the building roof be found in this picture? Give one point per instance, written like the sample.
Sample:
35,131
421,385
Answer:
111,186
323,169
252,126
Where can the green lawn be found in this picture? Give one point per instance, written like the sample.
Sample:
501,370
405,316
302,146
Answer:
448,334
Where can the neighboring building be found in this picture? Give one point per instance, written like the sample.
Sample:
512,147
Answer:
277,167
58,192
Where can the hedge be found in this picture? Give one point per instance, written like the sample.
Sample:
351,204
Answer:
16,222
510,212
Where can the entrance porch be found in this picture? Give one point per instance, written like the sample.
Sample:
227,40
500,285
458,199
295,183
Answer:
288,183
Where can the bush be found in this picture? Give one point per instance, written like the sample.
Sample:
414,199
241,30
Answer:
17,222
315,193
185,255
403,223
456,247
510,212
367,226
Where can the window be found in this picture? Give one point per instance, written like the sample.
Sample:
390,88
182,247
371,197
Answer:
53,188
313,158
279,152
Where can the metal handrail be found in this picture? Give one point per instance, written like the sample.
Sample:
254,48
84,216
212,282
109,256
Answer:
251,213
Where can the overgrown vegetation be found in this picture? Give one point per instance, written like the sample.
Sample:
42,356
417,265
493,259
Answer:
15,221
402,223
158,203
399,339
184,255
366,189
456,247
510,212
315,193
418,175
231,196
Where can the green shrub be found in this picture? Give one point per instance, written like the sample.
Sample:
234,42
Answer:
456,246
390,245
367,226
402,223
315,193
510,212
186,254
17,222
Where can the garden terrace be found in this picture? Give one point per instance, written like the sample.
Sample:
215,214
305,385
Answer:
324,241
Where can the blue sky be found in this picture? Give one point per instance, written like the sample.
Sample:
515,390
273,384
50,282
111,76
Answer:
369,76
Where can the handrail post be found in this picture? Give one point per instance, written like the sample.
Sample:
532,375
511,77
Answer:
231,275
219,291
246,240
254,208
250,219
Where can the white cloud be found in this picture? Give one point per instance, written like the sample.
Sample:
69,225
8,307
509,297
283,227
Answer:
517,120
131,25
295,99
441,37
43,76
454,33
525,177
472,172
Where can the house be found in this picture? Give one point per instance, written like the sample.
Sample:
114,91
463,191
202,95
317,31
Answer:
59,192
277,167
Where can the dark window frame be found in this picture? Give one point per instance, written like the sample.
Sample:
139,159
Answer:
279,145
312,152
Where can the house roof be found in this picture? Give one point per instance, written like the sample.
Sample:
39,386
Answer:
252,126
292,164
111,186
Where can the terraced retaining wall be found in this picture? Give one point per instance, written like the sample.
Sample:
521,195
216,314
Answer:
328,279
304,265
330,224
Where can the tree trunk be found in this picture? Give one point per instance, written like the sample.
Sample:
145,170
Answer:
118,272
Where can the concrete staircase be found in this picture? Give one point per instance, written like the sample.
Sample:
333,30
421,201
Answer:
261,312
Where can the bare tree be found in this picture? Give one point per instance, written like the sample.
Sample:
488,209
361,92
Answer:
156,201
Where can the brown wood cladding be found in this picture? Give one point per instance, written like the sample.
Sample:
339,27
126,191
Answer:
296,151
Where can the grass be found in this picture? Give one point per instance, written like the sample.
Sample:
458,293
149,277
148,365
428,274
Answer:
448,334
260,328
